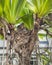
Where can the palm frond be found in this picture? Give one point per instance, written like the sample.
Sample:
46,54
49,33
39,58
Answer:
40,7
13,9
28,21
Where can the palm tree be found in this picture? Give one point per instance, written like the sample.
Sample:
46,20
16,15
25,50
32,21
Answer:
32,15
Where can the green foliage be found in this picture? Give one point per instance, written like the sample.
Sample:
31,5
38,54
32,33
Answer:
45,59
16,11
28,21
40,7
50,30
0,10
12,9
41,36
1,37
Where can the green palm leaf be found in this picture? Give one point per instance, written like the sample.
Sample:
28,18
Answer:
12,9
40,7
28,21
1,6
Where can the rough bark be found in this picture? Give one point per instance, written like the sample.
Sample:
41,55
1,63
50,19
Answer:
22,41
25,40
4,30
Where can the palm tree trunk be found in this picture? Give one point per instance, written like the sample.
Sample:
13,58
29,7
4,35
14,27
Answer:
25,42
24,61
